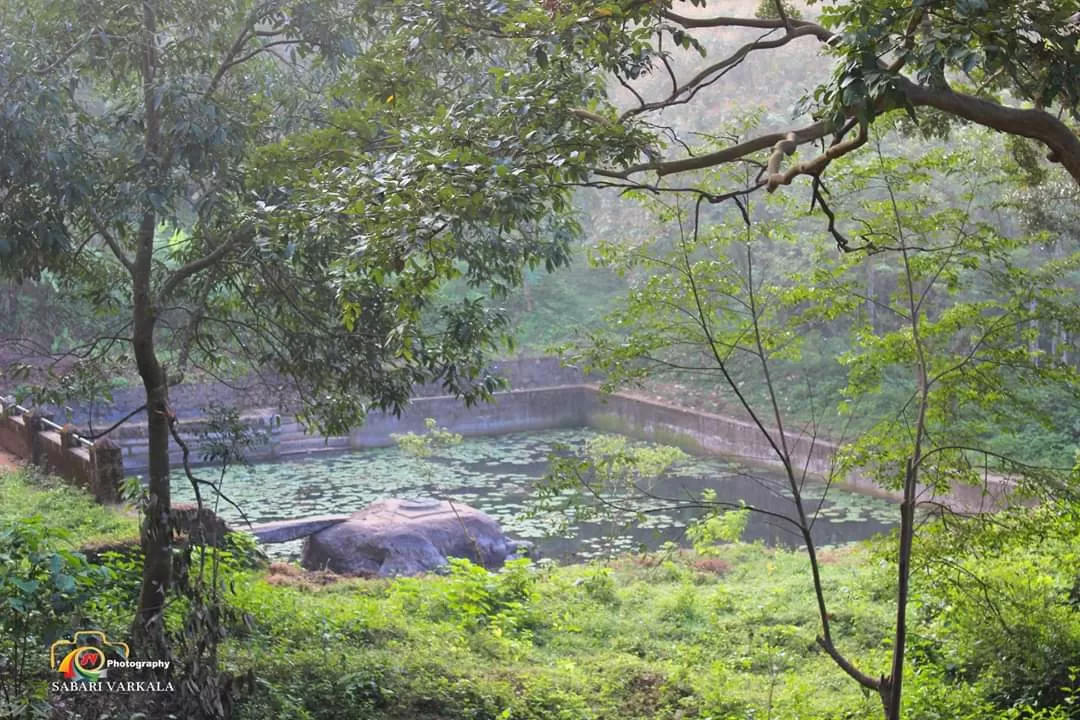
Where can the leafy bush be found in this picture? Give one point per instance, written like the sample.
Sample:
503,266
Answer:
475,597
41,591
997,603
599,584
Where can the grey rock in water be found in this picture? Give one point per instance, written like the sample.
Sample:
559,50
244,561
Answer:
407,537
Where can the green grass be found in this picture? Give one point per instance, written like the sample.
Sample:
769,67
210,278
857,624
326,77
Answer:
670,636
727,637
27,492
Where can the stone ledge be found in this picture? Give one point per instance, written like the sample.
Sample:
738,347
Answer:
281,531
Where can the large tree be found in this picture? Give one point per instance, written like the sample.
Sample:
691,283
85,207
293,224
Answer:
280,185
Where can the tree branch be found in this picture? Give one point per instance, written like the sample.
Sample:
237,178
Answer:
94,436
857,675
198,265
817,31
114,246
1030,123
734,59
259,50
812,167
195,482
803,135
227,61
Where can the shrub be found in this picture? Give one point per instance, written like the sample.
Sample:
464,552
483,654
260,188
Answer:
996,600
599,584
41,591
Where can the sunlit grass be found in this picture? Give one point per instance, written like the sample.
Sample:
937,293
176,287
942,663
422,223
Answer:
26,492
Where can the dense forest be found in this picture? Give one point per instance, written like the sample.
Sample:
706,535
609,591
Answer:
854,224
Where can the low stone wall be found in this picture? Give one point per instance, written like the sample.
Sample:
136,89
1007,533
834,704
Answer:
98,467
702,432
131,439
513,411
268,391
14,436
995,493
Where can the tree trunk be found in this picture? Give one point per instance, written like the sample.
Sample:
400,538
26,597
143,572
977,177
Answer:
527,292
1033,324
13,311
156,535
156,531
891,690
871,294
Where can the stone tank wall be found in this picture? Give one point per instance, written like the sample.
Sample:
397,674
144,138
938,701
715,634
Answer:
33,438
269,392
544,395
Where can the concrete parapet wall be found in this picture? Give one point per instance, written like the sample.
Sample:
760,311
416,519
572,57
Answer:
96,467
704,432
701,431
513,411
573,404
14,436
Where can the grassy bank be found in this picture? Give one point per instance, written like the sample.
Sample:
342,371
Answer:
670,636
719,637
27,492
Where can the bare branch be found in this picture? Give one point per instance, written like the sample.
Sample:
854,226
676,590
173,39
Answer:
103,433
737,22
227,61
860,677
779,4
813,167
257,51
690,87
803,135
110,240
1030,123
195,481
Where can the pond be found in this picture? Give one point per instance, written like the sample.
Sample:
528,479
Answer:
499,475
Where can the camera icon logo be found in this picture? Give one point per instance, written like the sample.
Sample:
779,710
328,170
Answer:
84,657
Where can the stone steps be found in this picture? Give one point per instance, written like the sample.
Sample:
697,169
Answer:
283,437
312,444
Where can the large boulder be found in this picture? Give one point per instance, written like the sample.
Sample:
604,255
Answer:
407,537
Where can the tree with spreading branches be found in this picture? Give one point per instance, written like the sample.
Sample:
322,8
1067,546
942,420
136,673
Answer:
1007,66
278,186
731,304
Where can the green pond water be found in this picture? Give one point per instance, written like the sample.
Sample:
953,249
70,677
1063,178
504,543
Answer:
499,475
